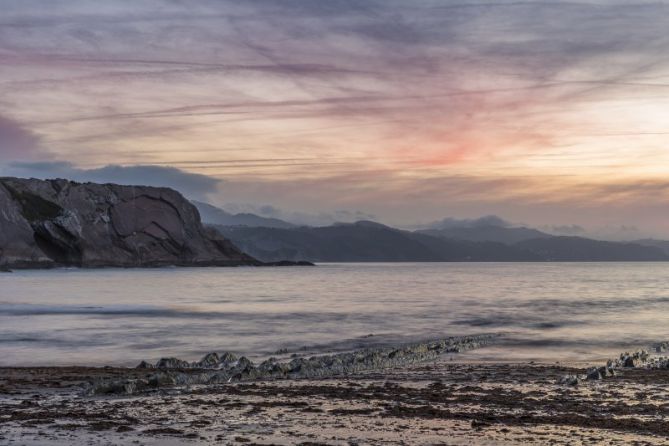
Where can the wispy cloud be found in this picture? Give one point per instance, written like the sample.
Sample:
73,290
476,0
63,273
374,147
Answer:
518,105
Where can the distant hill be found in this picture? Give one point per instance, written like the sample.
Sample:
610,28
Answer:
662,244
337,243
487,220
500,234
373,242
217,216
582,249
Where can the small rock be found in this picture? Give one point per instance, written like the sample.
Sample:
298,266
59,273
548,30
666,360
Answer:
227,358
161,380
209,361
594,374
569,380
172,363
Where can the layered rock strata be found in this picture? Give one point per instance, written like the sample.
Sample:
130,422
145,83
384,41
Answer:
216,368
51,223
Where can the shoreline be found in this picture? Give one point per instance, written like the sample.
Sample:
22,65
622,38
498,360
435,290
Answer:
48,266
443,399
440,402
9,268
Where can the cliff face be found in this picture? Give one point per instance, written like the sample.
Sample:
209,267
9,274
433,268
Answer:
62,223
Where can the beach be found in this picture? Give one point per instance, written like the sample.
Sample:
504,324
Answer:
452,399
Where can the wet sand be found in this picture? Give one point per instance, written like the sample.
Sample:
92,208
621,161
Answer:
438,402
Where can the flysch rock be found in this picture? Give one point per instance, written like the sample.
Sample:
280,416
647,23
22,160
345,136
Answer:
627,360
215,368
52,223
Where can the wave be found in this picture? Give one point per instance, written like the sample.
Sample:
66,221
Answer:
125,310
520,321
583,303
171,312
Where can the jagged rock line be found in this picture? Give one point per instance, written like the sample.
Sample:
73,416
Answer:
224,368
638,359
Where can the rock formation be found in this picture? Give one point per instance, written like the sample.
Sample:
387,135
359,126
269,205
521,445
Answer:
639,359
226,367
55,223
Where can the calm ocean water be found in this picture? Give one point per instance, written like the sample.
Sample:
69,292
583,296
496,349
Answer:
546,311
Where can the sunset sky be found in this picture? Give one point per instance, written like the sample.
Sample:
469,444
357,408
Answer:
545,113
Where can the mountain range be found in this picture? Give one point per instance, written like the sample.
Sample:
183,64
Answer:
485,240
217,216
661,244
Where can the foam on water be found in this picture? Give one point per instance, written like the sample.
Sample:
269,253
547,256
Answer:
118,317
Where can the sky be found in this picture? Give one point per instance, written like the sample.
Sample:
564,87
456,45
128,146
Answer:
549,113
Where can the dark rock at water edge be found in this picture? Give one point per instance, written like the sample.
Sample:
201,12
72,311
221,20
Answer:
640,359
172,363
215,368
145,365
56,223
289,263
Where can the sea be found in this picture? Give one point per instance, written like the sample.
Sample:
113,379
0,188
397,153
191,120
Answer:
556,312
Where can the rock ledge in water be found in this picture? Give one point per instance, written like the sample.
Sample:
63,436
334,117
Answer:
216,368
639,359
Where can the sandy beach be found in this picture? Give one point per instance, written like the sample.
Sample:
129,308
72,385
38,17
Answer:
450,400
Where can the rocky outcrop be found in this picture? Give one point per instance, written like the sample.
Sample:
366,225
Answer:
216,368
54,223
640,359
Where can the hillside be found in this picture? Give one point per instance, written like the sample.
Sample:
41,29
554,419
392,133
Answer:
213,215
661,244
373,242
489,233
575,249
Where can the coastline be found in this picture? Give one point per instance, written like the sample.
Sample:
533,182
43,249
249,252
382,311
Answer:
155,265
41,266
447,399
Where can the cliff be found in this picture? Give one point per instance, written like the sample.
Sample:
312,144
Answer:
55,223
